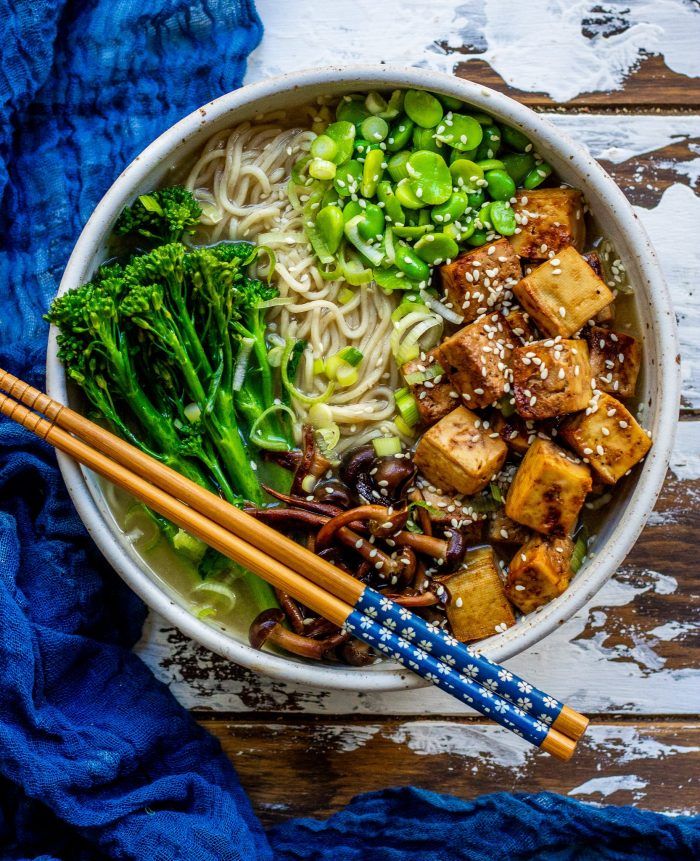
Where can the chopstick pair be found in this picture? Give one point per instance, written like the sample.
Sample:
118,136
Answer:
393,630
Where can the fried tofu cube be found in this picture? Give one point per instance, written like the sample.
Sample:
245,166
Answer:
430,387
615,360
475,281
563,294
548,490
476,359
514,431
549,219
477,605
539,572
551,378
504,530
608,437
458,453
521,325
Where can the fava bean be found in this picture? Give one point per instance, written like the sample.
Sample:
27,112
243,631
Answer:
518,165
451,209
435,248
491,143
397,165
500,184
514,139
392,208
351,110
330,224
362,147
476,199
413,231
411,264
347,178
484,217
478,237
425,110
425,139
430,178
372,172
491,164
451,103
400,134
466,174
374,129
406,197
391,279
503,218
537,175
372,224
343,135
459,131
330,196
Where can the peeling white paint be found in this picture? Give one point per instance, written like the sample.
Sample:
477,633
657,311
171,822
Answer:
348,738
672,630
606,786
628,744
586,50
493,745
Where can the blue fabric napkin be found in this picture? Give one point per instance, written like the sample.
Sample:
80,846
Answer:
97,760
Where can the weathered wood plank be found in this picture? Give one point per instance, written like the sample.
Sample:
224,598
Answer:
643,54
314,768
633,649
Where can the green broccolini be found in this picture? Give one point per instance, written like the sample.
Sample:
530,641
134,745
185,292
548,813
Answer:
162,216
169,347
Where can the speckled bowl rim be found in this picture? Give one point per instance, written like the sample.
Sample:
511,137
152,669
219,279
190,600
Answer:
620,223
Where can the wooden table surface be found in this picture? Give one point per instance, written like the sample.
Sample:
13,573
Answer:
624,80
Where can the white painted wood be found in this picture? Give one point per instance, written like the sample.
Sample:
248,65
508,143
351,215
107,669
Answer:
585,51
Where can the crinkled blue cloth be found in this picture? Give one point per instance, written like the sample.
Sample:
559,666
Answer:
97,760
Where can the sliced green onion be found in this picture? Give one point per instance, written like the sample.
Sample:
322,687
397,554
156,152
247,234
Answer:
351,355
319,366
239,373
270,443
496,491
346,375
384,446
407,406
345,296
217,595
580,550
437,306
292,389
352,232
403,428
430,372
329,437
321,168
191,547
273,303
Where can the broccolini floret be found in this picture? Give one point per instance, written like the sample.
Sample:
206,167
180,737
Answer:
161,216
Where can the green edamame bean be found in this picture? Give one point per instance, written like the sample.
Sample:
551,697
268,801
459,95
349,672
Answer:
372,224
456,154
424,139
476,199
424,216
413,231
518,165
430,177
362,147
411,264
348,178
490,144
435,248
324,147
478,237
330,224
342,134
374,129
352,110
372,172
459,131
500,184
330,197
514,139
425,110
503,218
351,209
451,209
392,208
406,196
397,165
451,103
466,174
320,168
484,217
537,175
400,134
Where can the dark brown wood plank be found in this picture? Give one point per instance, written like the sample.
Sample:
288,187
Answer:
313,768
651,86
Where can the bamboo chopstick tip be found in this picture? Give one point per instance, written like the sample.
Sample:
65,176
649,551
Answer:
571,723
558,745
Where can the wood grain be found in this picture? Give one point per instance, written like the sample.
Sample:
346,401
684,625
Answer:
651,86
301,768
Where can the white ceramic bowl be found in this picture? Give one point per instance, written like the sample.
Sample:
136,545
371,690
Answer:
660,379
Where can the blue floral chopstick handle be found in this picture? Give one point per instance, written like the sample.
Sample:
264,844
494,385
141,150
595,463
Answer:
387,636
449,651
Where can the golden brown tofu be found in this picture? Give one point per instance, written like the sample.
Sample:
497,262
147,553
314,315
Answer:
476,359
475,281
549,219
458,453
615,360
514,431
539,572
432,394
504,530
608,437
551,378
548,490
562,294
477,605
521,325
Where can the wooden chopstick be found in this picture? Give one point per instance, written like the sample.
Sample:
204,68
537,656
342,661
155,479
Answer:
213,520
